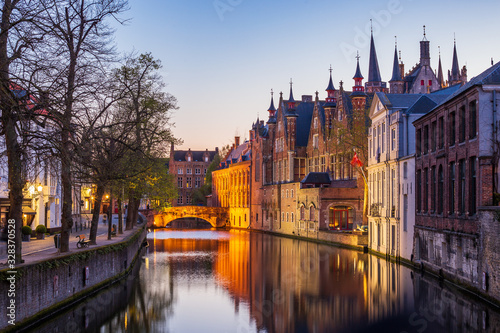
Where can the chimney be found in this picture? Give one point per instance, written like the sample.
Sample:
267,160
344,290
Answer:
237,141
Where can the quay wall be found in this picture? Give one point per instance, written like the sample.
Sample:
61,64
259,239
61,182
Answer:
45,287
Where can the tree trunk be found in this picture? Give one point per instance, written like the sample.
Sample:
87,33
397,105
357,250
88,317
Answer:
95,213
120,214
16,181
110,212
137,203
130,209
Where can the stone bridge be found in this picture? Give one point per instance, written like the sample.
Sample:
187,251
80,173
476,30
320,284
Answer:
216,216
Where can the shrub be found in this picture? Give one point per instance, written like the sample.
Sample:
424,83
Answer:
41,229
26,230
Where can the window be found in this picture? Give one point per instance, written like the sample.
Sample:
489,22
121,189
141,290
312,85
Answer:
316,164
461,186
418,142
188,171
441,133
383,137
179,182
302,213
452,129
291,194
341,218
430,83
205,171
291,216
433,136
422,83
426,189
405,170
393,135
179,200
197,182
315,122
287,217
315,141
440,190
188,182
189,159
433,189
323,163
472,186
283,217
311,213
188,199
461,124
206,158
405,212
180,171
287,193
472,120
452,189
197,171
426,140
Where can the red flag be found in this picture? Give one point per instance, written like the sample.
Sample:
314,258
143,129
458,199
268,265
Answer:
356,161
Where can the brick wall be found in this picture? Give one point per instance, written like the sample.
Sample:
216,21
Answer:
490,255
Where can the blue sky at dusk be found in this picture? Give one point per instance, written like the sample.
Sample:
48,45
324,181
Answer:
221,58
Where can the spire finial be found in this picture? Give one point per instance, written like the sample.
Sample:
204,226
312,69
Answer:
399,55
396,40
272,92
439,50
454,39
357,55
291,83
371,26
330,69
317,93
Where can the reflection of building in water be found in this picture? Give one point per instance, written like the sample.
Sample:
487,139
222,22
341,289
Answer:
231,267
298,286
390,289
450,309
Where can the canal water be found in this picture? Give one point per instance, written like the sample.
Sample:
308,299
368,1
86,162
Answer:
240,281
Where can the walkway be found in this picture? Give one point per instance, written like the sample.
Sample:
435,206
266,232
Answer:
43,249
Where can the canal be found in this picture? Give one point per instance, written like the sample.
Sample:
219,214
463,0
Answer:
240,281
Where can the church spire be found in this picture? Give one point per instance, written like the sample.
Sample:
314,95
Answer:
271,109
440,70
373,70
455,71
374,83
396,74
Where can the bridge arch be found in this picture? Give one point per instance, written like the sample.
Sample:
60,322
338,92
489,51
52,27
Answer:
216,216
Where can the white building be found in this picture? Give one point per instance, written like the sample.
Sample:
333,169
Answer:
391,170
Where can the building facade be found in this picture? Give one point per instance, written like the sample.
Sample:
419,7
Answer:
231,184
457,172
189,169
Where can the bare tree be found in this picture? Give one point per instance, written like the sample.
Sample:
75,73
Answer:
78,43
17,34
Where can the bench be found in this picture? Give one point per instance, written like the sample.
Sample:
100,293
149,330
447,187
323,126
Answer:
82,242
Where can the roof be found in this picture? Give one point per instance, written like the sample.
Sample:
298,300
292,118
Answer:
397,101
330,84
358,75
180,155
317,178
489,76
238,154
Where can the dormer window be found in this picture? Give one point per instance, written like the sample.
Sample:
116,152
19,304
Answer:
206,158
189,158
315,122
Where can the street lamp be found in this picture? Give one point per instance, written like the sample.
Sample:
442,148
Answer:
40,188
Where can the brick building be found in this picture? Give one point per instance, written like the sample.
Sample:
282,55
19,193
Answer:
189,168
456,172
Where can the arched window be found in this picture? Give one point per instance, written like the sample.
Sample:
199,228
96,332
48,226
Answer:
291,217
302,213
440,190
311,213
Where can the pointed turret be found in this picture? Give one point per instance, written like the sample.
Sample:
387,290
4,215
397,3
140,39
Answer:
331,101
455,71
396,82
291,101
440,71
358,96
374,83
425,55
272,110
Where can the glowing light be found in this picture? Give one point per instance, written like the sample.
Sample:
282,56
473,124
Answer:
107,196
40,188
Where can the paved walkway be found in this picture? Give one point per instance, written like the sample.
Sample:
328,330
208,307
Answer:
43,249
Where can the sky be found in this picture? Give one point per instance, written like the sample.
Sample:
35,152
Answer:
221,58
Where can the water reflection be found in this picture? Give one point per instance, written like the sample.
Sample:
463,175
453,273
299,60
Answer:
237,281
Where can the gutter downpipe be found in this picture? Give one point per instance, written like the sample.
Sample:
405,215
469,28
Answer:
494,138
